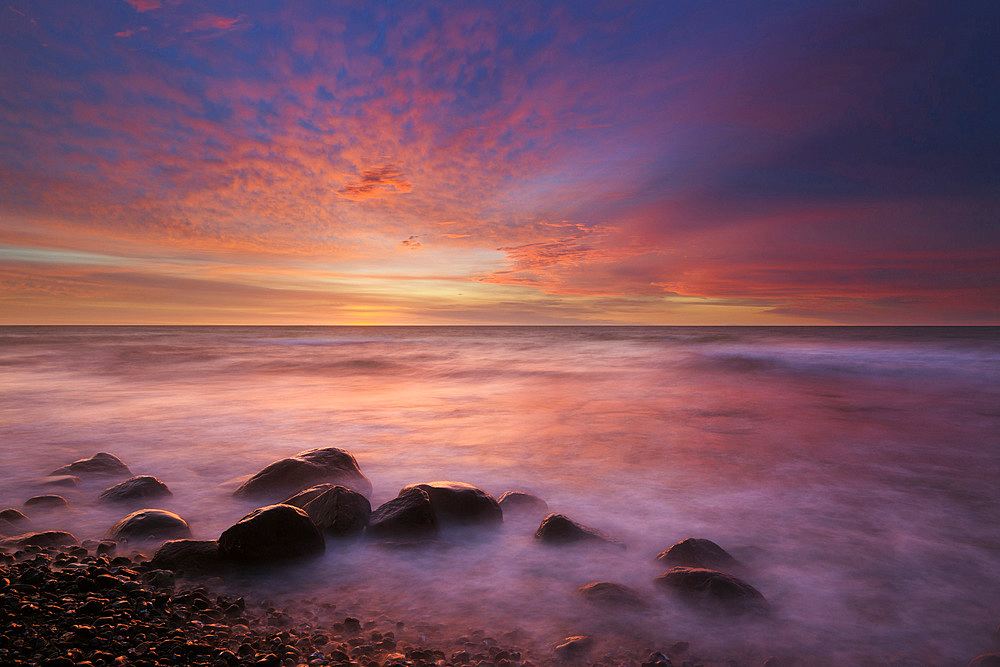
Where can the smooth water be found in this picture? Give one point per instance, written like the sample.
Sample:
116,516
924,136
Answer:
854,470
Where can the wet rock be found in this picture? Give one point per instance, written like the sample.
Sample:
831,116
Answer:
557,529
305,469
521,503
142,487
48,538
14,516
47,502
986,660
694,552
271,533
573,649
657,659
59,481
408,516
712,588
460,504
101,463
339,512
612,594
149,524
301,498
192,556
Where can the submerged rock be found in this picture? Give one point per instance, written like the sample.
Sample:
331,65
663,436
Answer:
986,660
60,481
701,553
14,516
48,502
195,556
573,649
142,487
48,538
612,594
521,503
557,529
305,469
408,516
460,504
101,463
149,524
712,587
339,512
271,533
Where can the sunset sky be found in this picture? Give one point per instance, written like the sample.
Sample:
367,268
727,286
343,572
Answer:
661,162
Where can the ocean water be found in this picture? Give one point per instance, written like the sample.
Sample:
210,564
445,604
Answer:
853,470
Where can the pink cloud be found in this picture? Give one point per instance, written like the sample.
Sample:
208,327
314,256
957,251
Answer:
145,5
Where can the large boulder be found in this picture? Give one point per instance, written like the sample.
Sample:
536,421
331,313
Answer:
701,553
101,463
195,556
557,529
271,533
612,594
149,524
522,504
712,588
49,501
305,469
339,512
460,504
48,538
408,516
302,497
143,487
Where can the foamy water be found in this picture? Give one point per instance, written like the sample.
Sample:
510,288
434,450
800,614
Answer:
854,470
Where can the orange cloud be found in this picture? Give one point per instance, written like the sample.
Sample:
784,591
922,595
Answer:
145,5
376,182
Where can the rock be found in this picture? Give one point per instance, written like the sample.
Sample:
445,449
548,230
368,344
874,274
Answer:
572,649
7,528
142,487
13,516
612,594
712,587
557,529
302,497
149,524
101,463
699,553
460,504
408,516
305,469
48,538
985,660
197,556
271,533
657,659
339,512
61,481
521,503
48,502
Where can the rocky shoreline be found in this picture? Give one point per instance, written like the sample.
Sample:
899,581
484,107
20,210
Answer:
63,602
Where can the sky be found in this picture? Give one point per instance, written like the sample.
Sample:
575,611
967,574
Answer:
662,162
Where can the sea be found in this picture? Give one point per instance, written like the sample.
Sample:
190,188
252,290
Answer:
854,471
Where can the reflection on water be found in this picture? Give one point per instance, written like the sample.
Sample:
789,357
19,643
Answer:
856,468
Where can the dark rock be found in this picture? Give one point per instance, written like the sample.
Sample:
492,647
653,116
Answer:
572,649
407,516
302,497
558,529
99,464
694,552
612,594
48,538
14,516
61,481
460,504
657,659
305,469
521,503
142,487
7,528
712,587
149,524
339,512
271,533
48,502
985,660
196,556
